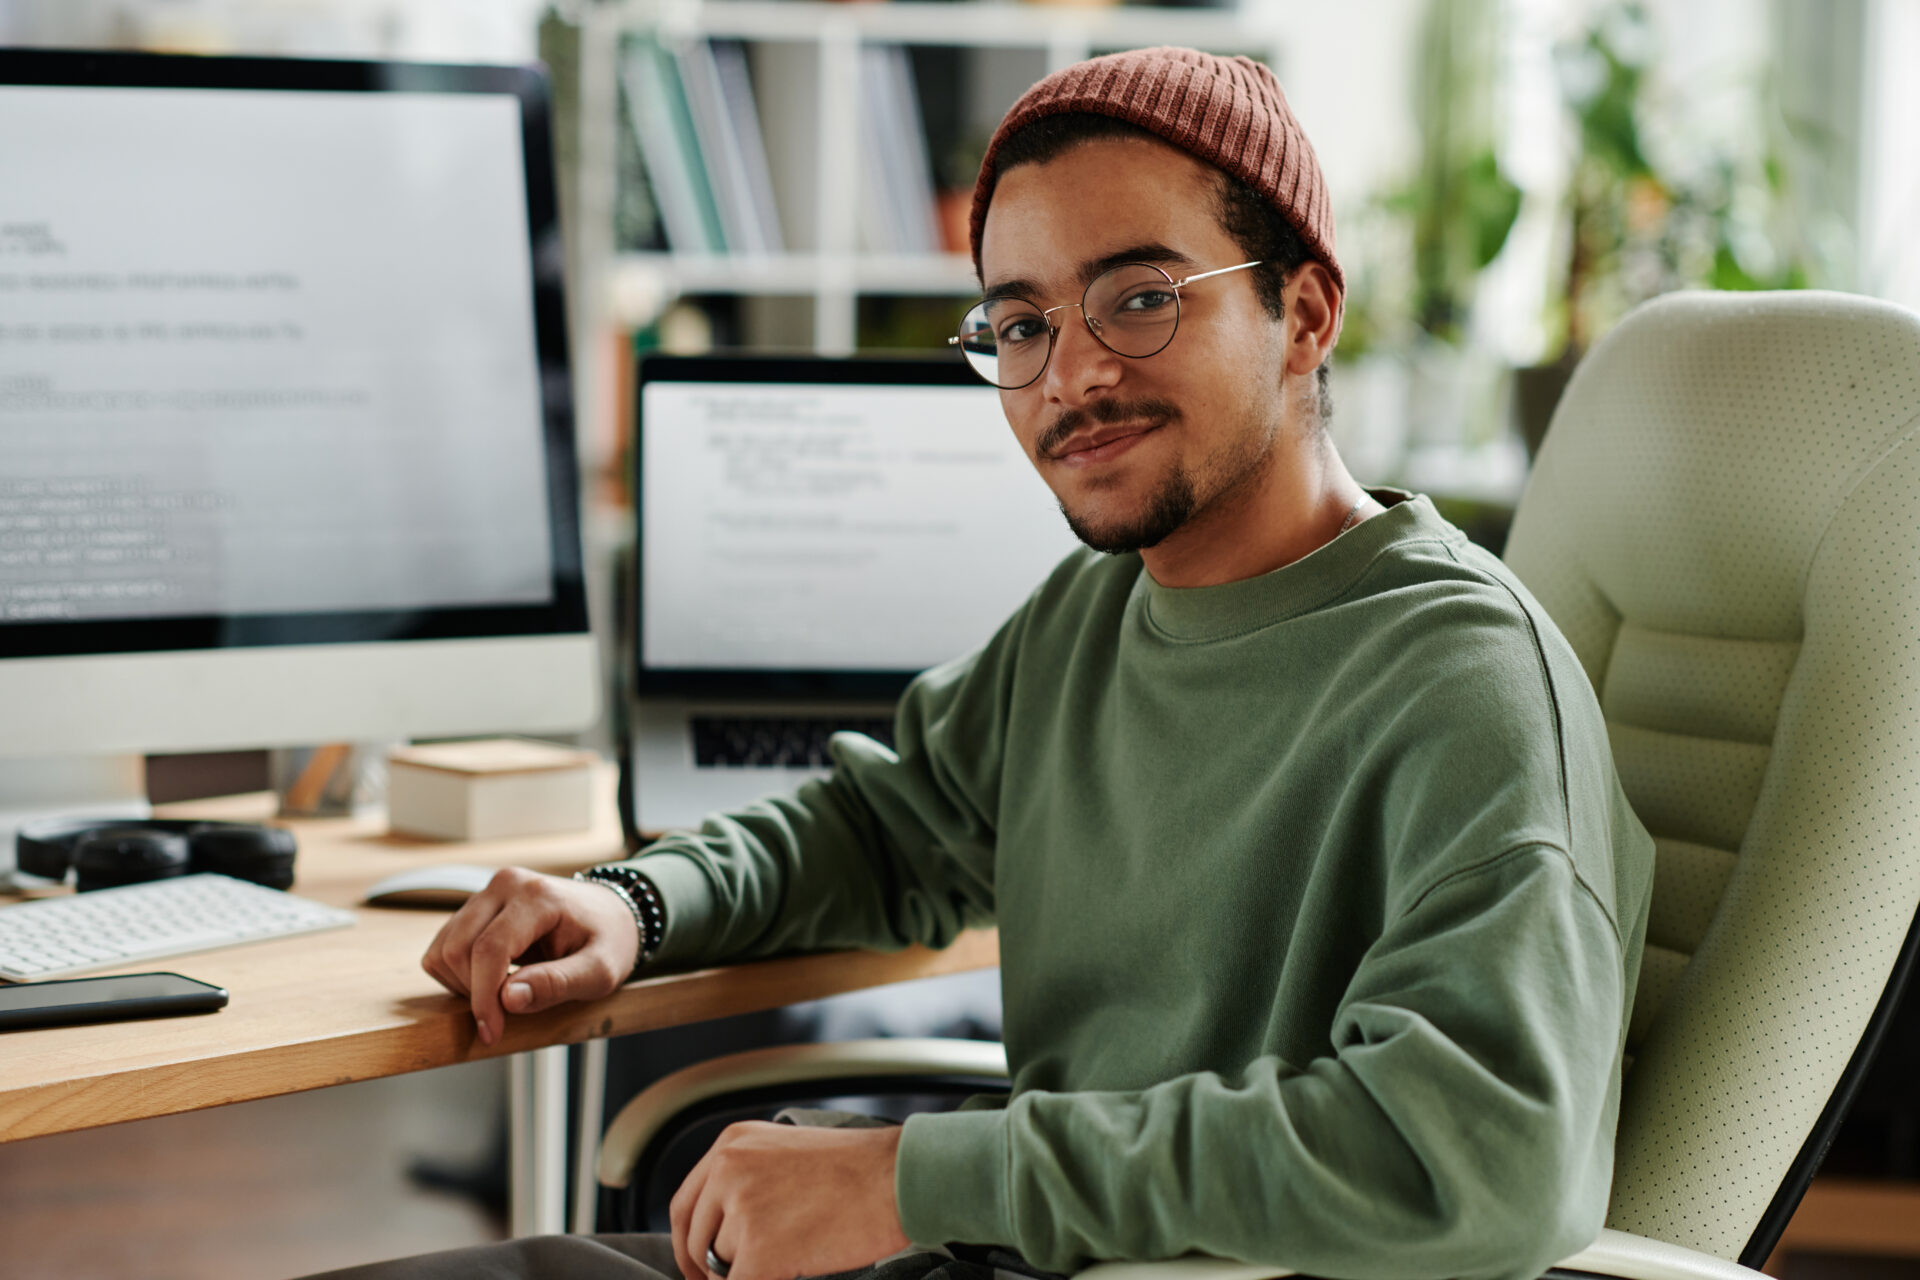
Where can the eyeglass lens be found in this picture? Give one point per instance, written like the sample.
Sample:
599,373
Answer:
1132,310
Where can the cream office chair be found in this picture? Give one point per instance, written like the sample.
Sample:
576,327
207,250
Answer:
1725,522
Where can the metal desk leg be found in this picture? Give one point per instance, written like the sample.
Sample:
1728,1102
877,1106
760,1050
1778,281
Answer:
537,1141
586,1150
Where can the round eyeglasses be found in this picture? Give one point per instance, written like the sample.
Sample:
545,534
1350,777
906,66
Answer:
1132,310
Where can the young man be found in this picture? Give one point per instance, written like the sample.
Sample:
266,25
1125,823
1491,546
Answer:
1320,906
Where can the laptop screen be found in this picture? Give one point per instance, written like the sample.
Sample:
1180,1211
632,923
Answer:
832,517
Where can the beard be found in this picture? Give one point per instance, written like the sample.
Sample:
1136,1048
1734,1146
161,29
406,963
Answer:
1178,499
1171,506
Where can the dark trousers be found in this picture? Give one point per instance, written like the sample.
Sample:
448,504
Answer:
650,1257
612,1258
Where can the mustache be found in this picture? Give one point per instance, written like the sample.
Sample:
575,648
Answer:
1105,413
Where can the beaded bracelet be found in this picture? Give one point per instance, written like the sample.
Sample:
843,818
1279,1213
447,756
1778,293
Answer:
642,898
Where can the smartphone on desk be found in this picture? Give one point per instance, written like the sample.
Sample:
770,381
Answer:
126,995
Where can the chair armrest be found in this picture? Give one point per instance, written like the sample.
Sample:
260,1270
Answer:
660,1102
1614,1254
1631,1257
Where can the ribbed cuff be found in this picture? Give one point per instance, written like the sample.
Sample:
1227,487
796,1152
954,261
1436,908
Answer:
951,1179
688,896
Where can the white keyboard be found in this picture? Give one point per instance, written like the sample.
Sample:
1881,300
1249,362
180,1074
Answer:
58,937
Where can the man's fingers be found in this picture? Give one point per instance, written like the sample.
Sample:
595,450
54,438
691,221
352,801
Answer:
506,936
436,966
581,937
587,974
772,1200
442,974
438,972
684,1259
680,1216
454,941
728,1246
432,961
704,1227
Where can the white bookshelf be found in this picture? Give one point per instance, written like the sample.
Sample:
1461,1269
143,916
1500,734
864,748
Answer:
671,274
814,107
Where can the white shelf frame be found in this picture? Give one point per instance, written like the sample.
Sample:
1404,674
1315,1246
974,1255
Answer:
619,290
971,23
903,275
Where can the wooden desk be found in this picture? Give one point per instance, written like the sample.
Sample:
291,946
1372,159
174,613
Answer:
354,1004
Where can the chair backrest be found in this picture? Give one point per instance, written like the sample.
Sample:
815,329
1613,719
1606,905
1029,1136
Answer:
1725,522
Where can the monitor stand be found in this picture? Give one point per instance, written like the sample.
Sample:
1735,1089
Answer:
103,787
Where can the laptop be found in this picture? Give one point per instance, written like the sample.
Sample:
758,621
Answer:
812,533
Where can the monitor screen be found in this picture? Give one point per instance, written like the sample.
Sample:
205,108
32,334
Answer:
239,376
267,353
282,362
846,526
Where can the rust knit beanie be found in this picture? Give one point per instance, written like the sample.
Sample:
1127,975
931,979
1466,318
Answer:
1227,111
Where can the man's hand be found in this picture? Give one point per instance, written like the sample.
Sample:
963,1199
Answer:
584,938
776,1201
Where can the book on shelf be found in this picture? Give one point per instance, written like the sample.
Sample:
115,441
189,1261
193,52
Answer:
637,225
693,112
897,207
749,146
719,102
786,75
664,124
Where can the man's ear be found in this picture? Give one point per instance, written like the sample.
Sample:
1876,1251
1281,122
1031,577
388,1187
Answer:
1315,309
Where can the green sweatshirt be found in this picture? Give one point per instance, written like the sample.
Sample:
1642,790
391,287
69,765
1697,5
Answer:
1319,904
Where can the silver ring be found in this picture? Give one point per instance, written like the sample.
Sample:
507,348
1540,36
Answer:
716,1265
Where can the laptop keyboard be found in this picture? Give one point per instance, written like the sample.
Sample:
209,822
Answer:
795,742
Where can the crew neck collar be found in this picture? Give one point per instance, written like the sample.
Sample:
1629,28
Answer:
1234,608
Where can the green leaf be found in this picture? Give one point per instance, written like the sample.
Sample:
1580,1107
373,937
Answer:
1728,274
1492,204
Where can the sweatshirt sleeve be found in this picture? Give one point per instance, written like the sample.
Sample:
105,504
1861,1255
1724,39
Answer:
894,847
1450,1132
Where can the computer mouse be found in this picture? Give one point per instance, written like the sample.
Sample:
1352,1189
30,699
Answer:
446,884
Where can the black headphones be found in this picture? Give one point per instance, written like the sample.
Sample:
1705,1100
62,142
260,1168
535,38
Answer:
104,854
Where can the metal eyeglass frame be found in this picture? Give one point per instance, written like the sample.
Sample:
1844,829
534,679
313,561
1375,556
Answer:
1053,330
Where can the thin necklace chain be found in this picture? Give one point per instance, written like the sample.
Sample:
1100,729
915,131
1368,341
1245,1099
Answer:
1352,515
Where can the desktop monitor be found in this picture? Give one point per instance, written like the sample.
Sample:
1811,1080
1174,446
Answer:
286,452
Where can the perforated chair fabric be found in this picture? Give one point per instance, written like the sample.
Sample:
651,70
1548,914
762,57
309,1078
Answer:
1723,522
